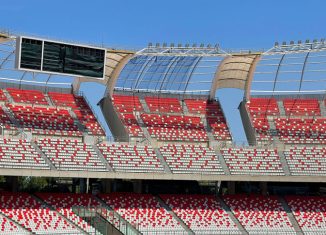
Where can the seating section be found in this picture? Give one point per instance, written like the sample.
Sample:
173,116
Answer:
144,212
45,120
5,120
163,105
214,115
81,109
203,214
131,124
15,153
131,158
27,96
260,214
72,155
306,160
191,159
175,127
301,107
67,204
301,130
126,103
3,97
7,227
252,161
310,212
32,215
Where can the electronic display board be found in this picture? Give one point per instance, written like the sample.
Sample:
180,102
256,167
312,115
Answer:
62,58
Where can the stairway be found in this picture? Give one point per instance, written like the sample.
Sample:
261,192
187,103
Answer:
171,212
48,99
322,106
46,159
163,162
232,216
222,162
284,163
289,213
281,107
144,104
102,158
9,98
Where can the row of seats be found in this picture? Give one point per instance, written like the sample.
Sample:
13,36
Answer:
252,161
27,96
163,105
191,159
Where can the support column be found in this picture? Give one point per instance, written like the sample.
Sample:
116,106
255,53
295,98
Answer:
231,187
82,185
106,186
137,185
263,188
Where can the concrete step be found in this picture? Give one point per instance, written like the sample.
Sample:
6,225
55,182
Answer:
232,216
102,158
9,98
171,212
222,162
46,159
48,99
284,163
145,106
322,108
289,213
281,107
163,162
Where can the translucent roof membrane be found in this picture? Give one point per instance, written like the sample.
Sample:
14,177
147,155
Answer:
303,72
175,74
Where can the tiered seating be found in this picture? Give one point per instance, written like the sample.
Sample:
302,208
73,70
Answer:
306,160
45,120
301,130
64,203
81,109
252,161
132,125
143,211
27,96
310,212
126,103
3,96
300,107
32,215
214,115
175,127
164,105
71,155
7,227
15,153
260,214
131,158
191,159
5,120
203,214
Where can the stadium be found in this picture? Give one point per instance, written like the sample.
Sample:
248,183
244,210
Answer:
157,153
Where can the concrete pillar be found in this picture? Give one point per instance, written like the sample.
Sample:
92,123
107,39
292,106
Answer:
82,185
106,186
12,183
263,188
137,185
231,187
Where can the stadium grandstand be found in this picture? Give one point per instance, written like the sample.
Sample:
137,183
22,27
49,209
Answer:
161,157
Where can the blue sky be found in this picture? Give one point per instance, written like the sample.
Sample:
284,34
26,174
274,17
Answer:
250,24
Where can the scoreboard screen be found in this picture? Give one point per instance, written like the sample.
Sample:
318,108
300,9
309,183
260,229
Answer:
57,57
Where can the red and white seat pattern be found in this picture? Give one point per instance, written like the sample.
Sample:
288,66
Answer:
163,105
81,109
300,107
126,103
32,215
203,214
131,124
260,214
64,203
310,212
185,159
15,153
71,155
7,227
131,158
301,130
27,96
3,96
5,120
306,160
219,128
252,161
143,211
175,127
45,120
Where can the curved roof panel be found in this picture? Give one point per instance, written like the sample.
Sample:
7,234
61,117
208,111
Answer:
301,72
172,74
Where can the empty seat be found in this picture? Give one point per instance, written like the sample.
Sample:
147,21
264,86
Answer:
27,96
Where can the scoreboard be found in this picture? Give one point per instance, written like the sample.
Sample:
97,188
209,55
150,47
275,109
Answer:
60,58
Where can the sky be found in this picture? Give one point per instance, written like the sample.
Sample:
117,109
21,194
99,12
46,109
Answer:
131,24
